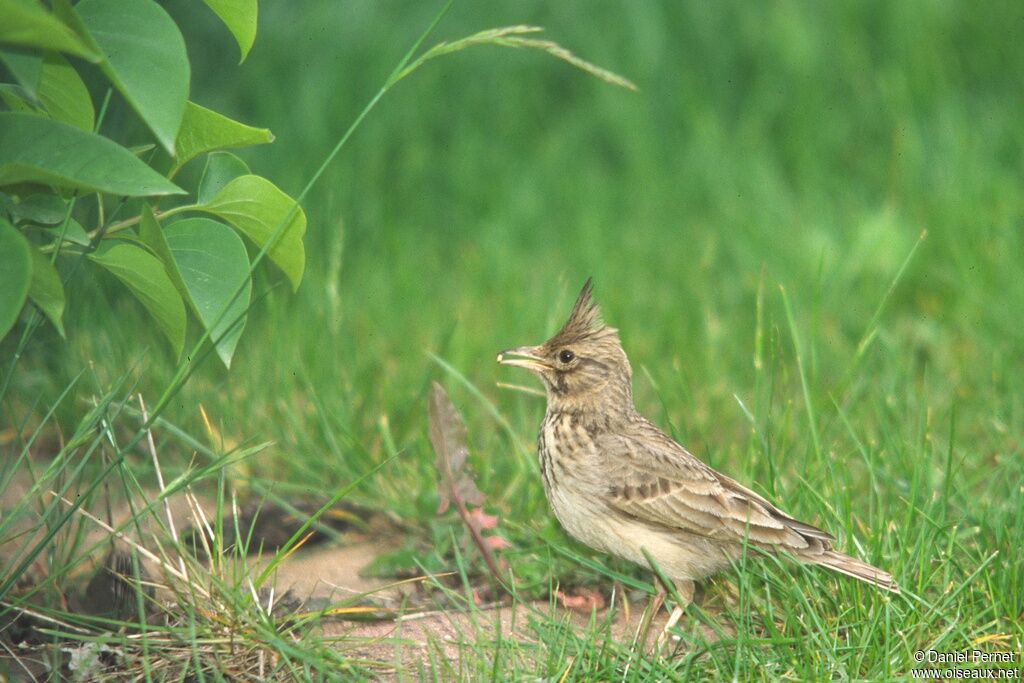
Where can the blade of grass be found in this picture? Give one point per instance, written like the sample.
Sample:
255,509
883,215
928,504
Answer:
812,423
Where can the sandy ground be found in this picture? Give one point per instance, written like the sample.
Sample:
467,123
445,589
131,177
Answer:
399,641
416,638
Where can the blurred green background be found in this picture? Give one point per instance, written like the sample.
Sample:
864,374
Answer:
796,144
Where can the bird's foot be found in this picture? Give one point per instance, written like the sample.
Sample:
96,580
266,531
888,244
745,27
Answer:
685,590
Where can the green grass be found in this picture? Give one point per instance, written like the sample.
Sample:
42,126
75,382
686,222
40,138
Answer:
752,218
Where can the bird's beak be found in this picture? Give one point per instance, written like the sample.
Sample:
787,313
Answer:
524,357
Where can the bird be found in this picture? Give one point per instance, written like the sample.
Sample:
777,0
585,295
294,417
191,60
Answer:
620,485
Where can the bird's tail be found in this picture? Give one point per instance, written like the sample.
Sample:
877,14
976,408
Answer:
844,564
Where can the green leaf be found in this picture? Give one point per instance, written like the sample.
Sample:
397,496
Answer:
16,99
26,69
64,95
75,233
65,11
212,261
221,168
36,149
203,130
15,275
41,209
145,59
131,238
152,235
146,278
46,290
240,18
256,207
28,24
139,150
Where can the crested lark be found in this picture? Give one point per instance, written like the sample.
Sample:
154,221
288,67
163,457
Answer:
622,486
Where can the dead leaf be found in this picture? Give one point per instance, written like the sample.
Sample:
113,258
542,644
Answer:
584,601
480,520
448,436
496,542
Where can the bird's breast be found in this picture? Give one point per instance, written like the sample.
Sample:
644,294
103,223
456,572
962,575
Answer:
570,468
566,450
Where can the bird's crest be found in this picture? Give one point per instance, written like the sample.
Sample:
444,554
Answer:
584,320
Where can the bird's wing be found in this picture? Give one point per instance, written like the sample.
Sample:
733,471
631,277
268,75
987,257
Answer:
654,479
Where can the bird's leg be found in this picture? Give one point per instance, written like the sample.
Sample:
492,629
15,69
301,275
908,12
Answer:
684,588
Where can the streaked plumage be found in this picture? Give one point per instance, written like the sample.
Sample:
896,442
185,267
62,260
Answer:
620,485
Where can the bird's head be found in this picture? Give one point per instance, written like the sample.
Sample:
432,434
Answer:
583,365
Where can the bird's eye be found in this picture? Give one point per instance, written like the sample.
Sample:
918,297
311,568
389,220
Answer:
566,356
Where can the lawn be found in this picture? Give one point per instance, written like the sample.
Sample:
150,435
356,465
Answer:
807,223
